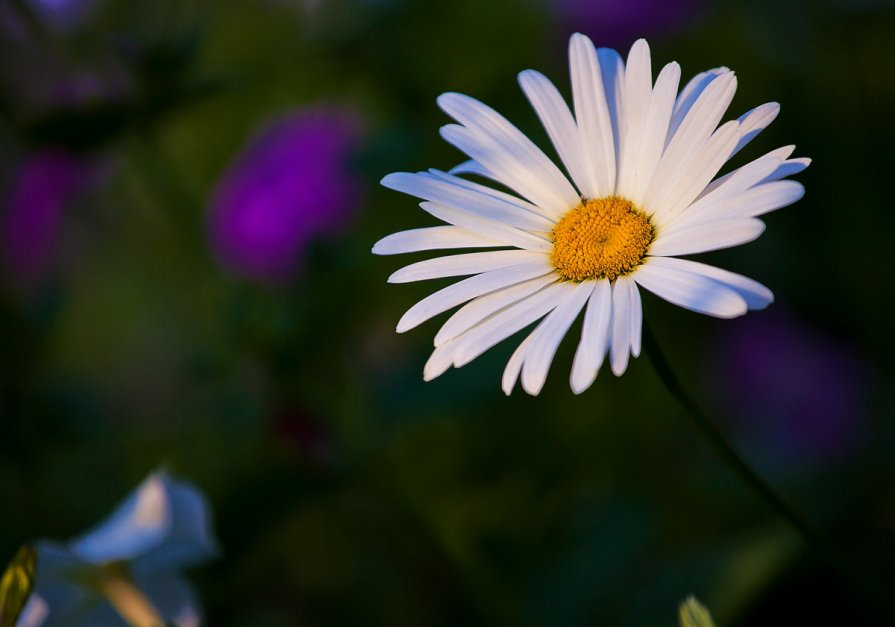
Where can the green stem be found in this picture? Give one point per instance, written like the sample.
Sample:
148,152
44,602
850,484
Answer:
811,534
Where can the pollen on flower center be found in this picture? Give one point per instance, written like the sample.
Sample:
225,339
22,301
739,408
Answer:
603,238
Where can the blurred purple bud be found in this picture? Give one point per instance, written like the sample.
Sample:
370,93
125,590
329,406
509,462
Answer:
291,183
617,24
798,394
45,184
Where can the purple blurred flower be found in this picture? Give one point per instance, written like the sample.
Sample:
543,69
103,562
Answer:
796,393
617,23
292,182
45,184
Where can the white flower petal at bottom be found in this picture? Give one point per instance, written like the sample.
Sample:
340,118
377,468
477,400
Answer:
695,292
756,295
479,309
594,338
622,332
545,339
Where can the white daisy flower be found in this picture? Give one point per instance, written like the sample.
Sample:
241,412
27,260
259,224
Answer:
638,191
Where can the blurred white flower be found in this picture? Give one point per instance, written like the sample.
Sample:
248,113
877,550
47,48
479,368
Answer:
129,562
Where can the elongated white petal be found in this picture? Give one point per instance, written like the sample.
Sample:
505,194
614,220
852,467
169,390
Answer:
459,265
594,338
479,309
706,236
651,140
638,88
592,115
432,238
431,187
505,198
612,69
737,181
754,122
693,178
547,337
514,366
508,321
485,120
636,319
788,168
510,236
472,166
620,347
507,169
470,288
753,202
756,295
695,292
688,96
559,123
438,363
690,139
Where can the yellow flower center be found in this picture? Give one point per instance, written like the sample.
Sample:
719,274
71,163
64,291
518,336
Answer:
600,239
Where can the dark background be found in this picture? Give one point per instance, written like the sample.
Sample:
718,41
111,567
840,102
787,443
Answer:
348,492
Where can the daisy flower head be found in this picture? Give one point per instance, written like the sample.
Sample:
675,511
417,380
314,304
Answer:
640,189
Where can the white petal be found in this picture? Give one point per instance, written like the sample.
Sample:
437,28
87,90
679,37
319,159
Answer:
508,321
558,122
755,121
788,168
592,115
756,295
547,337
689,94
691,291
470,288
438,363
474,312
737,181
508,235
706,236
594,338
693,176
555,187
638,90
514,367
446,192
613,70
636,320
620,347
753,202
459,265
472,166
652,136
524,205
432,238
685,146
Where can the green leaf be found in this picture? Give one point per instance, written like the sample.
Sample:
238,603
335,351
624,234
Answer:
692,613
16,585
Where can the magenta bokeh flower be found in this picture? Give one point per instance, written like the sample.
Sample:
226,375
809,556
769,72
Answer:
795,393
617,24
45,184
291,183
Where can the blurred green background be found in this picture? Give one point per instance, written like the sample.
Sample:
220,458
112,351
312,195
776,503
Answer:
345,490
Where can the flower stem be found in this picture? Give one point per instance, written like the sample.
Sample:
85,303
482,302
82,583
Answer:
809,533
127,599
